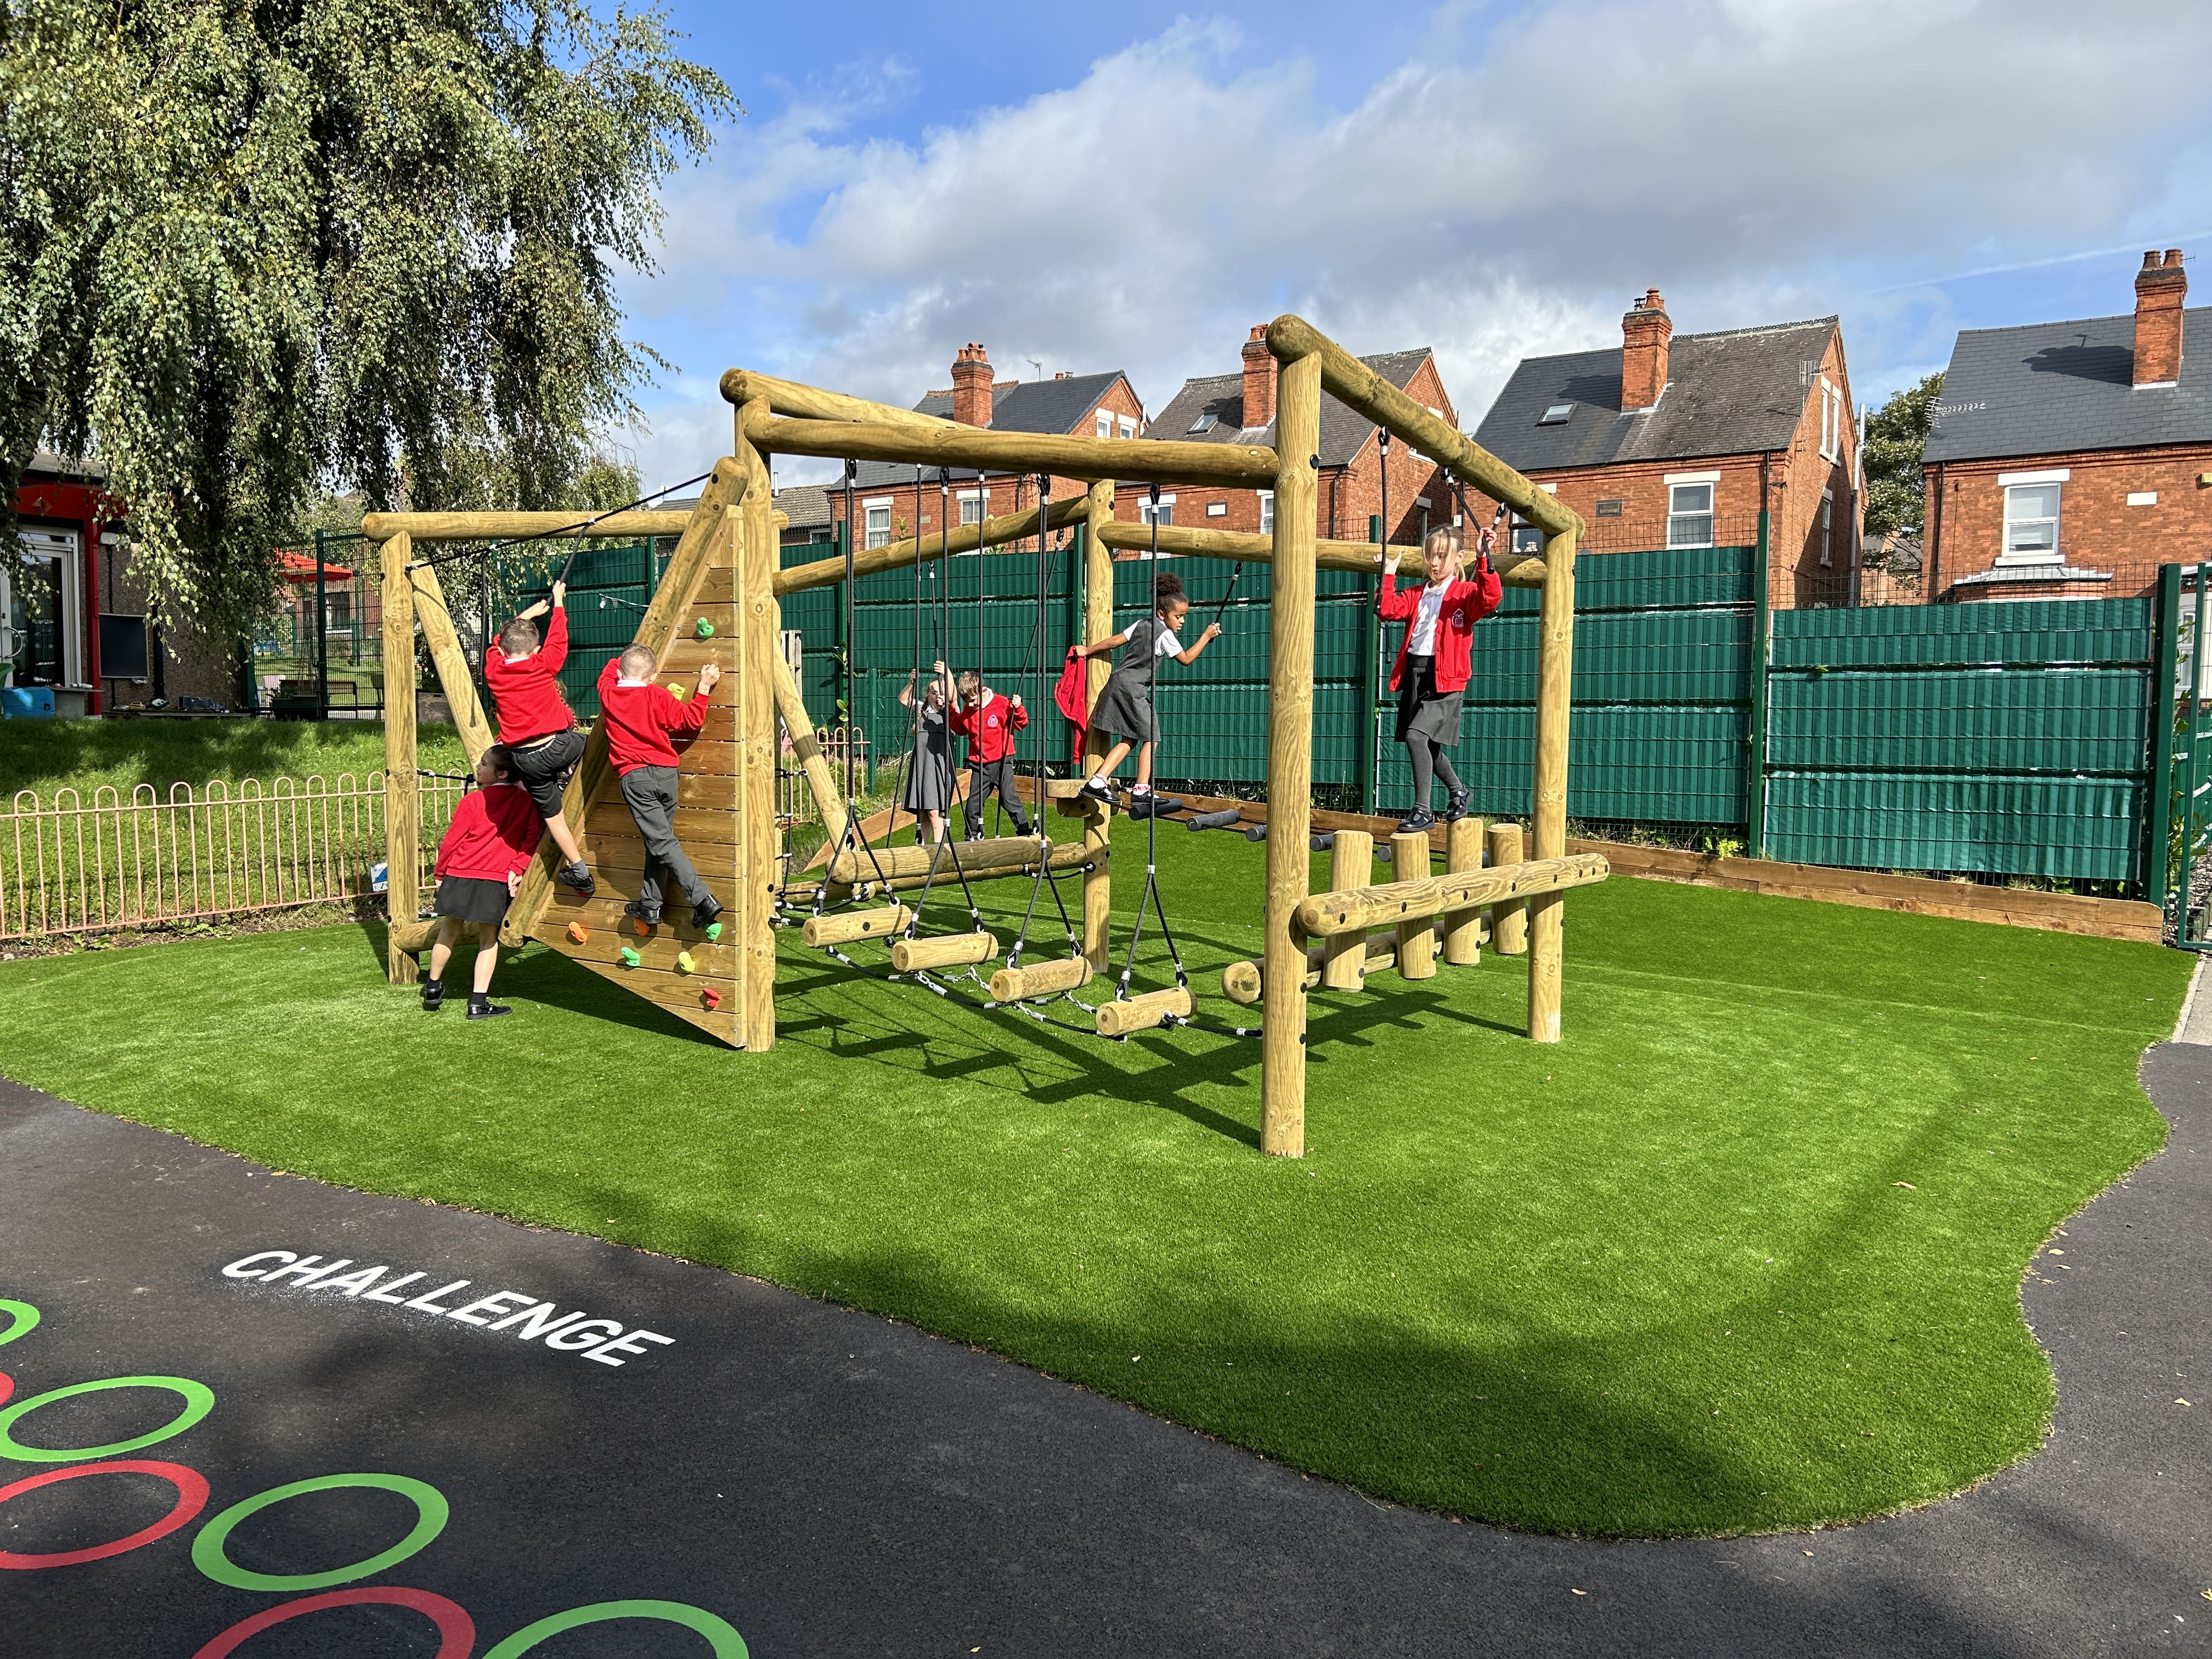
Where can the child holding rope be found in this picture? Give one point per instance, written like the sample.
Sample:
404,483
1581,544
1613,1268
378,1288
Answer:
1431,673
1124,711
643,718
929,779
989,721
522,673
481,859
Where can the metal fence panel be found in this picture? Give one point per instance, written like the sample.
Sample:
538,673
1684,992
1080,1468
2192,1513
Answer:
2088,827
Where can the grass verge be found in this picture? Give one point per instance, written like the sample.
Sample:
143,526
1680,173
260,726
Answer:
1742,1252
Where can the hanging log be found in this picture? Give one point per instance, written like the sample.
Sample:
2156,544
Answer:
1041,979
845,927
1327,914
950,951
1243,982
1142,1014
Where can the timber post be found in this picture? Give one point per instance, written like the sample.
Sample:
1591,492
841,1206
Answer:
753,526
451,662
1463,928
403,798
1416,936
1554,705
1289,755
1351,864
1098,820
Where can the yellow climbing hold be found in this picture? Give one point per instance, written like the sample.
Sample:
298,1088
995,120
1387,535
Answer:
683,962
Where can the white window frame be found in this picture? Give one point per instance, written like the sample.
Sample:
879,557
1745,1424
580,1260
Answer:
2054,477
1216,509
1128,427
2142,498
1827,528
1831,423
67,547
1267,512
1166,510
868,531
1105,424
1710,483
979,499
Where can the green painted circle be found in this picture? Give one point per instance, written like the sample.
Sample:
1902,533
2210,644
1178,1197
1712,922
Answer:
726,1642
208,1555
21,1316
199,1400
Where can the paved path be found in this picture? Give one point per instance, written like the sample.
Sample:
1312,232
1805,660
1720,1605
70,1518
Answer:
831,1484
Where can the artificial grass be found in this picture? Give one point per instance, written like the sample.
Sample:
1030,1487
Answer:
1742,1252
50,755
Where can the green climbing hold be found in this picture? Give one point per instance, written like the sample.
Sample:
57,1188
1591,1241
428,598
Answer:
714,932
704,628
630,957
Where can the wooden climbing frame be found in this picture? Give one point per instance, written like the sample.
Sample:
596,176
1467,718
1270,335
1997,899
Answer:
725,569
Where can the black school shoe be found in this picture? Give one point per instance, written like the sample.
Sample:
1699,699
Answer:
1419,819
1096,788
704,911
639,910
434,995
1455,808
481,1006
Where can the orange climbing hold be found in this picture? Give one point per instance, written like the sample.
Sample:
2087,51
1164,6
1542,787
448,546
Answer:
578,931
644,928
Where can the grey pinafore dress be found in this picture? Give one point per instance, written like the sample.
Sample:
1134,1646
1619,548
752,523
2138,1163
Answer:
929,773
1124,709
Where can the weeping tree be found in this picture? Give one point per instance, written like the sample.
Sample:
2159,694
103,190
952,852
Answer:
253,253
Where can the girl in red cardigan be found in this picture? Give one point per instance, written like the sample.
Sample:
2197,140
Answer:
489,843
1431,674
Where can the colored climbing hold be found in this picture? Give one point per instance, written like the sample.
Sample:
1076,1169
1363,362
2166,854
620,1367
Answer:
630,957
578,931
704,628
683,962
644,927
675,691
711,998
713,931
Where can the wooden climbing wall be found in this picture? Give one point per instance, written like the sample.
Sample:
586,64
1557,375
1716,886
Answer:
710,821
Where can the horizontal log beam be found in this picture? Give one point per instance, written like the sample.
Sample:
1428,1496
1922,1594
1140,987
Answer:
1243,982
1351,382
1222,466
1325,915
1515,569
896,555
1067,856
812,402
501,526
855,865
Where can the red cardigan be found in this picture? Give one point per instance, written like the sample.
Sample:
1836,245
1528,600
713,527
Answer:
1465,602
641,720
990,730
528,692
494,835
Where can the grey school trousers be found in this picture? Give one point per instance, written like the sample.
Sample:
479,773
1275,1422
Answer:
651,793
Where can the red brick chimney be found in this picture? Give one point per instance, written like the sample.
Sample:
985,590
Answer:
2160,286
1644,331
1259,380
971,386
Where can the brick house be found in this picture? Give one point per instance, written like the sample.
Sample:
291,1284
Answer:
1240,408
2069,459
1079,405
1679,442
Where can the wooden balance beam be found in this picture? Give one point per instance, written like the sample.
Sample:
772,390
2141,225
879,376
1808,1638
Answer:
1514,569
1325,915
855,865
1170,461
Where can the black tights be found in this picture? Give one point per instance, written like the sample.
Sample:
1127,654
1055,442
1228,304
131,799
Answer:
1430,763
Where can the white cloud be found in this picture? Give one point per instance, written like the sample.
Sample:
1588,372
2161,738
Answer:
1504,194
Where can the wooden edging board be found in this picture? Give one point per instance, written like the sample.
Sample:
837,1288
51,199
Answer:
2059,913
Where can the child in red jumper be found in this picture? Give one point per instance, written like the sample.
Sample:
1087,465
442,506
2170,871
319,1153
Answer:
534,721
481,859
641,718
1431,673
989,721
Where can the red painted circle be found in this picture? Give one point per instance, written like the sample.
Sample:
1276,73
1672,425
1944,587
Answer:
457,1631
7,1387
191,1498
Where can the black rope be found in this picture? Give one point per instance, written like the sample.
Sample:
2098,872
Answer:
1151,895
851,475
575,529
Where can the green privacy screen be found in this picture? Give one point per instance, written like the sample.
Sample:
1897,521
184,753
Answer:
2002,740
609,585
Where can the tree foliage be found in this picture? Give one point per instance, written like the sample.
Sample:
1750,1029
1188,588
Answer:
253,254
1896,435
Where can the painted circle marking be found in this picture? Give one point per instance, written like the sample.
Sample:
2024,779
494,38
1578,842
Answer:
725,1640
199,1400
7,1387
208,1548
457,1631
191,1498
21,1317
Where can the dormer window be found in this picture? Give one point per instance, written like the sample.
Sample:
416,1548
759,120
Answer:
1557,414
1205,422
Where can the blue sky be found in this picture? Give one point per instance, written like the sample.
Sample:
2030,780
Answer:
1132,186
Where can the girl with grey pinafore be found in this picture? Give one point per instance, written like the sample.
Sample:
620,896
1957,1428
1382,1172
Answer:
1124,711
929,774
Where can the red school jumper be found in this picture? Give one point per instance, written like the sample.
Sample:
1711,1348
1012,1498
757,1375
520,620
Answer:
494,835
642,720
989,728
527,692
1465,602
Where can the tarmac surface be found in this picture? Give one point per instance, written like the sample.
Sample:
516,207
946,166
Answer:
748,1470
